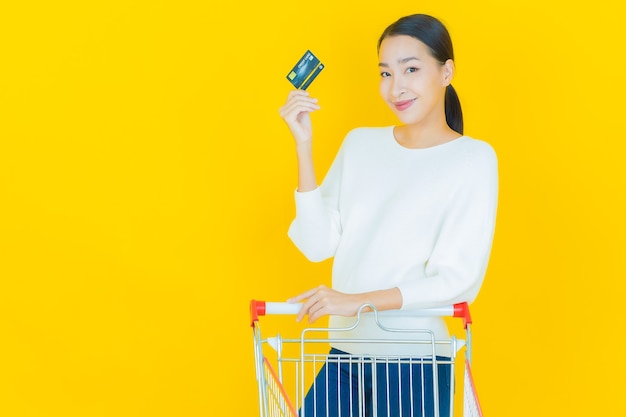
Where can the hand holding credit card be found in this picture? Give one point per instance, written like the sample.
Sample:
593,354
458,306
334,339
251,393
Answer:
305,71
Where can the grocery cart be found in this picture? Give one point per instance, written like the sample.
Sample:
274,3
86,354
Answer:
301,377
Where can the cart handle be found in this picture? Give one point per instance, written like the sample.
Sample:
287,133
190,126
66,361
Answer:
262,308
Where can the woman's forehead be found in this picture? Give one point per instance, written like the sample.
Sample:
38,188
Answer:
395,49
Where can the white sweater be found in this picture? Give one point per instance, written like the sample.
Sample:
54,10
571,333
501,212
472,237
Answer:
421,220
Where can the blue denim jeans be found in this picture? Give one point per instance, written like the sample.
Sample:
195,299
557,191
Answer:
390,389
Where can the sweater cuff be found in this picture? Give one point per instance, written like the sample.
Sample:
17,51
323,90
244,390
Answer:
414,297
309,201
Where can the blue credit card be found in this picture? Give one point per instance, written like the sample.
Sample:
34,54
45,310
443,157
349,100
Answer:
305,71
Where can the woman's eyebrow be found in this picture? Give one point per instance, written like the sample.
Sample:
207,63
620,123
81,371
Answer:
400,61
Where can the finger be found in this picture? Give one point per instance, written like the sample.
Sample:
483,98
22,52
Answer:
316,311
311,305
313,311
293,105
312,297
305,310
320,304
300,98
292,115
297,92
307,104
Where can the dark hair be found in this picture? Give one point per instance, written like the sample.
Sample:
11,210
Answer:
435,36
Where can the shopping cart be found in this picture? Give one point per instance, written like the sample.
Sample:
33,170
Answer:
293,373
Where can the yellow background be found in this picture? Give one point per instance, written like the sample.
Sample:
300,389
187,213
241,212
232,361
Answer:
146,186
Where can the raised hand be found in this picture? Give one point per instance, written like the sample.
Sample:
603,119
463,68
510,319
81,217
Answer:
296,113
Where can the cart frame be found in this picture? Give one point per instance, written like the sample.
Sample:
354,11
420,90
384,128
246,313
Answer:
282,392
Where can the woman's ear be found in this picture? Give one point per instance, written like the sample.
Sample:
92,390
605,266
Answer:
448,72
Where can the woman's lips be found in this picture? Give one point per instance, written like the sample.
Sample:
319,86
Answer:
403,105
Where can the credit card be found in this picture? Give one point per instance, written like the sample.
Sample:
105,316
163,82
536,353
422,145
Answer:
305,71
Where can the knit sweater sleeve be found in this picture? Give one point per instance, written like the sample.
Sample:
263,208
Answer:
458,261
316,229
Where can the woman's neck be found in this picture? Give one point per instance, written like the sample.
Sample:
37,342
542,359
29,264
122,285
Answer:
411,136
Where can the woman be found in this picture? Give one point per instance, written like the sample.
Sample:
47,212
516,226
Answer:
407,211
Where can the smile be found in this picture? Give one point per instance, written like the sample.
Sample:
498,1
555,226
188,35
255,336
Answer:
403,105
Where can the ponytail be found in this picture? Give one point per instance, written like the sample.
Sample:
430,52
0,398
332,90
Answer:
454,115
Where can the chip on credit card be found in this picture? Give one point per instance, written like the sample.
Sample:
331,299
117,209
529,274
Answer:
305,71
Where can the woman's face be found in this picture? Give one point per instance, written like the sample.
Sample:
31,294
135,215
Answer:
412,81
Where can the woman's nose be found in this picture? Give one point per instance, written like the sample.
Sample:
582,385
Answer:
398,87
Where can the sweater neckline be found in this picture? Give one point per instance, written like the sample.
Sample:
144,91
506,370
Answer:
421,150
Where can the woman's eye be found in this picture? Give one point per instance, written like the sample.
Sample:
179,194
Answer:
385,74
412,69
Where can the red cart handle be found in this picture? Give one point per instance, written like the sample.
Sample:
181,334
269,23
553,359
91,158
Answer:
262,308
462,310
257,308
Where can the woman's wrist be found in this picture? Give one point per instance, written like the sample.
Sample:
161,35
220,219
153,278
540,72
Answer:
304,149
306,170
390,299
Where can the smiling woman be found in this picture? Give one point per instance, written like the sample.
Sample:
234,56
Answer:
144,194
406,211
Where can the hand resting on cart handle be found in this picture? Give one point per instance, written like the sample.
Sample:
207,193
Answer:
322,301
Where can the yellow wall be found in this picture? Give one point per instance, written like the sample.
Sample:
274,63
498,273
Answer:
146,185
